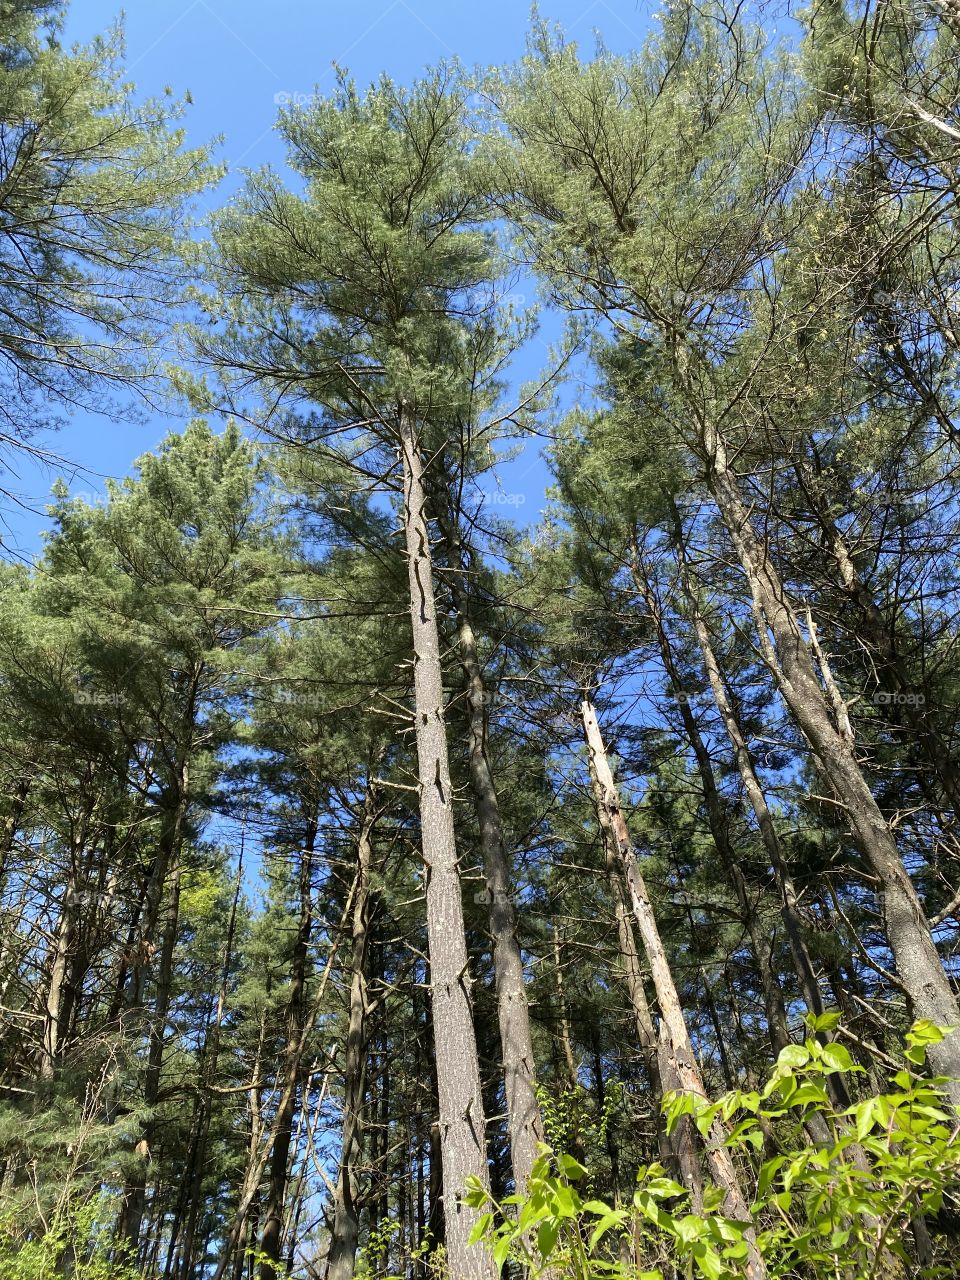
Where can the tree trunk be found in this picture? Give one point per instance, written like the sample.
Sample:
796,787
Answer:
788,657
341,1258
678,1151
872,627
53,1004
516,1041
462,1122
683,1060
167,869
193,1183
271,1239
717,818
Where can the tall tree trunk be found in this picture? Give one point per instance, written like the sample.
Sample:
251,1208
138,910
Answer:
717,818
873,628
684,1062
166,877
513,1013
53,1004
462,1121
677,1150
341,1257
788,657
271,1239
570,1064
137,1188
10,824
192,1186
786,889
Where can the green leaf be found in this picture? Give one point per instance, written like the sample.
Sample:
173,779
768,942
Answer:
708,1261
792,1057
480,1228
501,1251
571,1168
547,1234
768,1171
926,1032
837,1058
615,1218
824,1021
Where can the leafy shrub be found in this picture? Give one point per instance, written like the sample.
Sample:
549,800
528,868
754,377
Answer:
77,1243
864,1206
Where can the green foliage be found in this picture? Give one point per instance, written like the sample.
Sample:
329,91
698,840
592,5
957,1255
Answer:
842,1209
93,192
79,1233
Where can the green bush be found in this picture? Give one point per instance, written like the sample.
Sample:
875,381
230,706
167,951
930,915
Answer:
79,1234
862,1207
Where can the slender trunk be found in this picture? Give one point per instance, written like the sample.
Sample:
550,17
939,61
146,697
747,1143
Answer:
717,818
137,1188
162,886
684,1062
462,1122
788,657
571,1066
786,889
513,1013
53,1004
677,1150
341,1258
873,628
193,1183
271,1240
10,824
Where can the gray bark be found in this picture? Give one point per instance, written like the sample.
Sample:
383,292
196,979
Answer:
513,1014
341,1259
462,1120
683,1062
788,657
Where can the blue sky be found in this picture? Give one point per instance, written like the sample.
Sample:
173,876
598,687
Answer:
238,60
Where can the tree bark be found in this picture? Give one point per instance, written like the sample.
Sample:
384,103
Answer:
344,1240
513,1014
678,1151
788,657
717,819
462,1121
683,1059
271,1239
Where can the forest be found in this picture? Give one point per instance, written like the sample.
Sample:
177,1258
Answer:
394,887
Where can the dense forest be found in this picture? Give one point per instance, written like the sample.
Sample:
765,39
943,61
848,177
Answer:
390,888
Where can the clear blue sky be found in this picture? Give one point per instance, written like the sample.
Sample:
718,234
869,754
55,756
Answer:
238,59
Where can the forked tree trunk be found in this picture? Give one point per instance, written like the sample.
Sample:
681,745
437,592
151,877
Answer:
683,1061
462,1121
